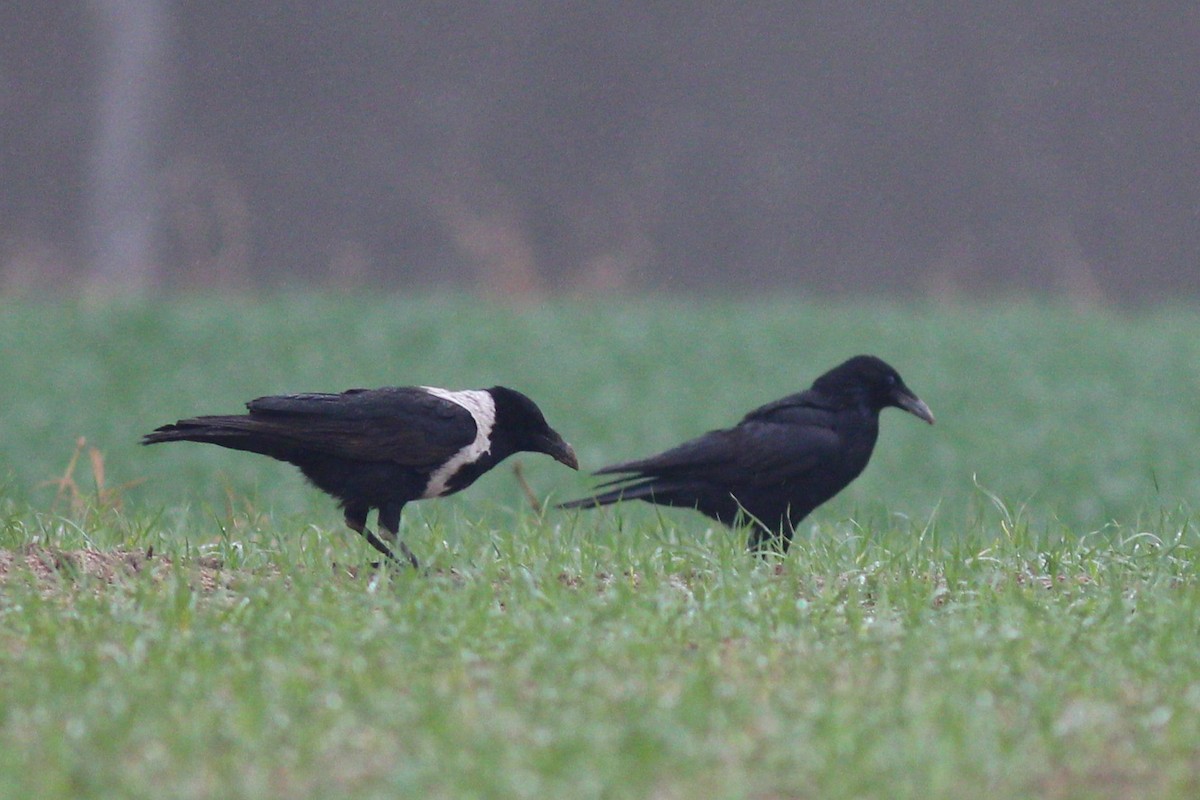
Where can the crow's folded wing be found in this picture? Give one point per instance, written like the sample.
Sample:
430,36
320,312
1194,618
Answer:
756,452
402,425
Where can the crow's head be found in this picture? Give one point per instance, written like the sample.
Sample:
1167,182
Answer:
872,381
520,421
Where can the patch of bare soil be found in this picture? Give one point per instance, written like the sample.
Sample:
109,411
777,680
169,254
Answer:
53,566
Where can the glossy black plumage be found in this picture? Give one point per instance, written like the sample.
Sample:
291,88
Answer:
382,448
780,462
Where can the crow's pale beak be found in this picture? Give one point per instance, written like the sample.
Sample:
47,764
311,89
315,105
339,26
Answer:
560,451
914,405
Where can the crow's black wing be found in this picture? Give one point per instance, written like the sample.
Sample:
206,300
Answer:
353,403
402,425
713,450
779,445
783,453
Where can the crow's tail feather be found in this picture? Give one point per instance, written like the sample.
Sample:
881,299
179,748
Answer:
234,432
637,491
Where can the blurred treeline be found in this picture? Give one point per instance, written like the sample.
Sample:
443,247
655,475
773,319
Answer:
523,146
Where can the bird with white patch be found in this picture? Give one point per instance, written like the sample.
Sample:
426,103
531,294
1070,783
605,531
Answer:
383,448
482,408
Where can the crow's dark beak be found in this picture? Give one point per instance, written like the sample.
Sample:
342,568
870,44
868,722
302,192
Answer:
554,446
914,405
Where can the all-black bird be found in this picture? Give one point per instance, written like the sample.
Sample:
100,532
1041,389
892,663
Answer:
780,462
382,448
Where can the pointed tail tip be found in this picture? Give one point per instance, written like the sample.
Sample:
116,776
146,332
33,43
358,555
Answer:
580,502
169,433
160,434
568,505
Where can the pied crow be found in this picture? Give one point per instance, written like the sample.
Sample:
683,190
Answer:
382,448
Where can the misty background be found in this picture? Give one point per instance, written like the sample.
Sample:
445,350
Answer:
522,147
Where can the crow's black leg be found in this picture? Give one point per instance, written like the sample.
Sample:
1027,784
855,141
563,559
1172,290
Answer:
764,540
758,539
356,520
787,529
389,528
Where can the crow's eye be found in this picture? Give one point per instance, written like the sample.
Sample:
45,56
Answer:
891,380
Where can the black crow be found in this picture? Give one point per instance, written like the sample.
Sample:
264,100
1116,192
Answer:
780,462
381,448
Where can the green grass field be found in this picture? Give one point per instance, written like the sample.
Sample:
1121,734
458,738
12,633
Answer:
1004,605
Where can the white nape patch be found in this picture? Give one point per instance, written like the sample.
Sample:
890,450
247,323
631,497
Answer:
483,410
